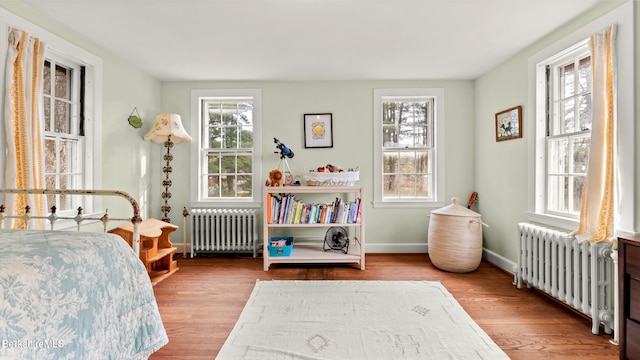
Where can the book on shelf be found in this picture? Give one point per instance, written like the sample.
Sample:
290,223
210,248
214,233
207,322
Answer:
286,209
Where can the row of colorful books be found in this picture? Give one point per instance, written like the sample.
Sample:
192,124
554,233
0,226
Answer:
287,209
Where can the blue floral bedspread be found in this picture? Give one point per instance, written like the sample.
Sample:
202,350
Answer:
75,295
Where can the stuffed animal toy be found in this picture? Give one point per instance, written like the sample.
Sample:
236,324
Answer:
275,178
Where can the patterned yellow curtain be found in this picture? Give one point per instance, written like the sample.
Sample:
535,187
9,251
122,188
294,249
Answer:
596,216
23,114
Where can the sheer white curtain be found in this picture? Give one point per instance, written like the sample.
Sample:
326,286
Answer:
596,216
23,114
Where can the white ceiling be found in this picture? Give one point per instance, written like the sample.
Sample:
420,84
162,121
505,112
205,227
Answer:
314,39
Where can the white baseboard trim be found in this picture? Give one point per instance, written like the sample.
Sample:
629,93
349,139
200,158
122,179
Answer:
378,248
499,261
413,248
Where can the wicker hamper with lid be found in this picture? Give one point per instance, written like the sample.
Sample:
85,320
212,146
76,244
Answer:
455,238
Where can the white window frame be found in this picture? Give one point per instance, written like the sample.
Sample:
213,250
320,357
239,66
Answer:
92,151
438,95
625,159
549,92
197,152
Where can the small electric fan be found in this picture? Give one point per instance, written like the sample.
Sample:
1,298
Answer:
336,239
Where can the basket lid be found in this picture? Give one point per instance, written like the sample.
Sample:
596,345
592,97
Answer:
455,209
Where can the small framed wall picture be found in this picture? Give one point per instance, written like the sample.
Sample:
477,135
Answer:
318,130
509,124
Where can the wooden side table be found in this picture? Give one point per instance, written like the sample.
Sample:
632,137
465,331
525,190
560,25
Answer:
156,250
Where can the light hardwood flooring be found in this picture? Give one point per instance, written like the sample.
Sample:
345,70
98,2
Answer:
201,302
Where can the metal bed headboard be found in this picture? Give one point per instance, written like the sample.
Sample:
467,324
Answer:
79,218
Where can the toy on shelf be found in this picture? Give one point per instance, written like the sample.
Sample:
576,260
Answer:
275,178
332,175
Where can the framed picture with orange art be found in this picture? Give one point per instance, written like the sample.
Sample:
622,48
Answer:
509,124
318,130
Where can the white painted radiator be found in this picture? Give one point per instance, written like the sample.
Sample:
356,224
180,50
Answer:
575,272
224,230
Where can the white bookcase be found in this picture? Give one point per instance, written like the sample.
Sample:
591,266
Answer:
309,251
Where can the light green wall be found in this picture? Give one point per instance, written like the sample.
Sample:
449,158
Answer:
125,163
473,160
501,174
351,103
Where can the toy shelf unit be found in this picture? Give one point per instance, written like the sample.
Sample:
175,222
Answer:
314,207
156,250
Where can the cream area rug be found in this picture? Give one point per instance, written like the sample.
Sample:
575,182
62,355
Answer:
355,320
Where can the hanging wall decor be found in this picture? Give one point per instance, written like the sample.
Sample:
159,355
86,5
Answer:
135,120
318,131
509,124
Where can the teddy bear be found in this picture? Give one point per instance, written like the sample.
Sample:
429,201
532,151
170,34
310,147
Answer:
275,178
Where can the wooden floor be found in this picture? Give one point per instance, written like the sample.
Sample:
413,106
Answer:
201,302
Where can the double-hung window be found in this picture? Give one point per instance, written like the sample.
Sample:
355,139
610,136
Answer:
408,141
64,126
227,161
560,113
72,112
568,129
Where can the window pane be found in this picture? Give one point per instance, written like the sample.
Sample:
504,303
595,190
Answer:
407,186
407,162
421,137
390,162
215,138
63,83
230,138
406,136
62,117
586,113
214,111
390,188
213,186
424,186
557,193
213,164
229,113
557,153
46,101
69,156
228,185
423,163
245,113
46,77
50,158
390,136
245,164
584,75
578,188
246,137
568,118
568,80
228,164
580,154
245,186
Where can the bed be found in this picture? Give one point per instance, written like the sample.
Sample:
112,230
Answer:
75,295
